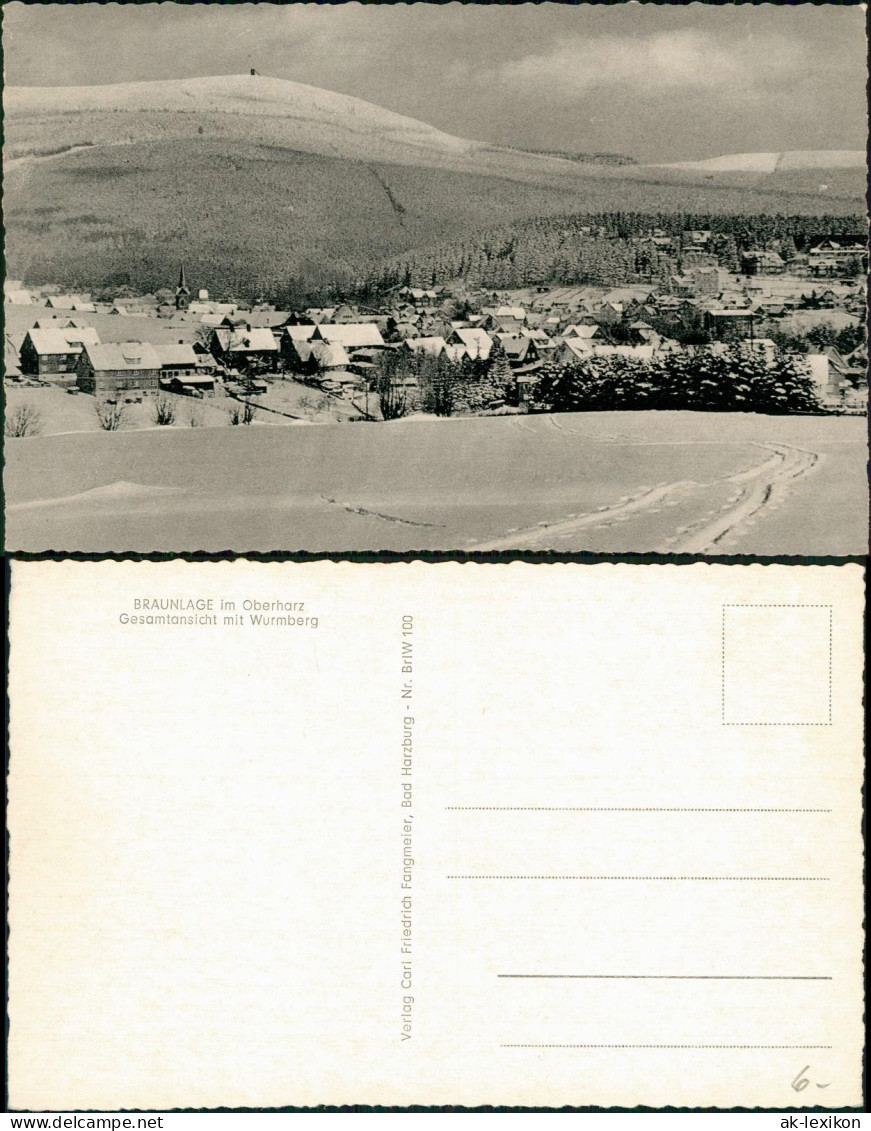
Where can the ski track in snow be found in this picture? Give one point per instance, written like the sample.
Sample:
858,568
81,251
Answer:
761,485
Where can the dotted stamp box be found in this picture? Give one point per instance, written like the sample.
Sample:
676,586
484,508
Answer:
776,665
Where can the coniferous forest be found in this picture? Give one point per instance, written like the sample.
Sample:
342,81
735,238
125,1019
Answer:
605,248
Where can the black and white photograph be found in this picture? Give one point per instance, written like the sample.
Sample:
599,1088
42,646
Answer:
469,278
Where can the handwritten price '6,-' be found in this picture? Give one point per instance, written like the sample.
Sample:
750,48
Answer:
801,1081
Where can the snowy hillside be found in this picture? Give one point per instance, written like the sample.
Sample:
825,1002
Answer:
775,162
301,110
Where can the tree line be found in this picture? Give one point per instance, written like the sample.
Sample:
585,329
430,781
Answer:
596,248
407,381
734,380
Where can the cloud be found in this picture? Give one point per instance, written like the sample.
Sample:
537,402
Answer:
684,60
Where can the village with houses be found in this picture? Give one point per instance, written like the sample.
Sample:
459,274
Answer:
355,361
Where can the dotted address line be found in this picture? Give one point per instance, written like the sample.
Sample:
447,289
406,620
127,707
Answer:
623,809
772,879
547,1046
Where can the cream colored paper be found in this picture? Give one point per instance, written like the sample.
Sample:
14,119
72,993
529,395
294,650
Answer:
633,815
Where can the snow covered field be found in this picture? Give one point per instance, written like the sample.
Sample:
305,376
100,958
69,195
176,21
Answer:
667,482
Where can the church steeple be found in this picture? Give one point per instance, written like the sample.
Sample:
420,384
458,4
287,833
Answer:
182,291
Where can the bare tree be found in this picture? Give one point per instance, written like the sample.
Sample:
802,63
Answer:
242,412
23,421
195,416
111,415
313,405
163,409
203,336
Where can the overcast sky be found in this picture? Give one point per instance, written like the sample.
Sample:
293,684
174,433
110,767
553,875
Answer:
656,82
